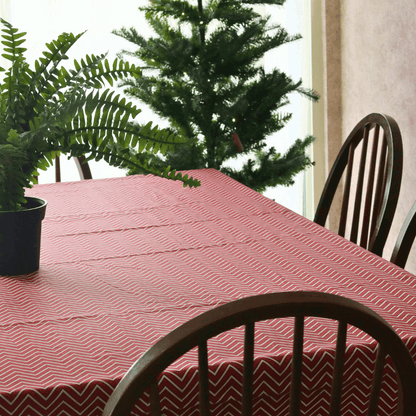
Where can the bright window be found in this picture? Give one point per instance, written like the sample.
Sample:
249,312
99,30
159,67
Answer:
44,20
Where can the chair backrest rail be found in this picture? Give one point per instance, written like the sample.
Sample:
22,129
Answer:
405,239
83,167
57,168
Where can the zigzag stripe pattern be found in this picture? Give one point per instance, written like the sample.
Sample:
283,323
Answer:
126,260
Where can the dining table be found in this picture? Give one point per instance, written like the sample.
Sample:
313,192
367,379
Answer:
126,260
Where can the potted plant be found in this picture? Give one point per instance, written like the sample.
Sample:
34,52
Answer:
52,109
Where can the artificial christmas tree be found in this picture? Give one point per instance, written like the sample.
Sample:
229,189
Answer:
202,73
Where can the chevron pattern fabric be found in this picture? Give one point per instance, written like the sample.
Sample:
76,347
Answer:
126,260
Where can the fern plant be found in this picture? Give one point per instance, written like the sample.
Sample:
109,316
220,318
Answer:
52,109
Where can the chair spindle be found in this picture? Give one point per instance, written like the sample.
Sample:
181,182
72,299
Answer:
296,381
154,398
370,189
344,209
405,239
247,406
203,379
360,185
377,379
335,406
381,184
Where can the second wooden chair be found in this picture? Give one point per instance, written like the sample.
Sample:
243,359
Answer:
82,166
376,182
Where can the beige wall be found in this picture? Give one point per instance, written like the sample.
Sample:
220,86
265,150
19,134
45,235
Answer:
377,73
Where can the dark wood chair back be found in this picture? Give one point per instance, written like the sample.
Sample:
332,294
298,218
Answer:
82,166
195,333
405,239
376,182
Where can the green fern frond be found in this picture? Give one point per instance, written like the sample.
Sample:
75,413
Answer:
12,178
46,81
51,108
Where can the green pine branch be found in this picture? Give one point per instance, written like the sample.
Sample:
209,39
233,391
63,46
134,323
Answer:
201,72
269,169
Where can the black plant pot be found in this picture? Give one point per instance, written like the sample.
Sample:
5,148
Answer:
20,238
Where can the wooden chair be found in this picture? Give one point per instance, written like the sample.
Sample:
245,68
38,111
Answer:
82,166
380,177
405,240
246,312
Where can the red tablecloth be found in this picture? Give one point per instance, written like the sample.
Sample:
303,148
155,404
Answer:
126,260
